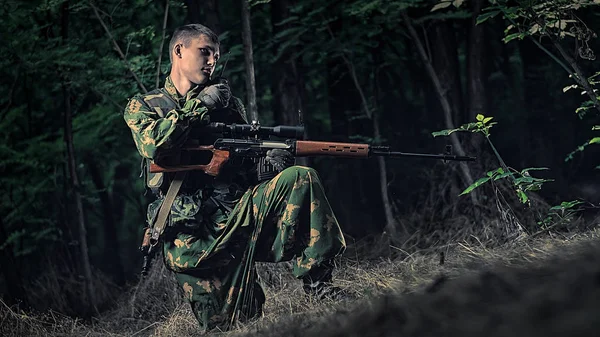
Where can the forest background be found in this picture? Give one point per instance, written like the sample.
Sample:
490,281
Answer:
384,72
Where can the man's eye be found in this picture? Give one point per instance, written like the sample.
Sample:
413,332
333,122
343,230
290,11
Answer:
204,51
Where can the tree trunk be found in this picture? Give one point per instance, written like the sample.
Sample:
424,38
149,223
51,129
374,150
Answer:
194,11
391,225
444,58
74,180
249,61
354,208
466,174
211,16
112,248
476,79
390,221
288,85
76,188
11,272
162,43
205,12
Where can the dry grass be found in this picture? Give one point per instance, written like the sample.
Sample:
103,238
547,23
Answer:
413,294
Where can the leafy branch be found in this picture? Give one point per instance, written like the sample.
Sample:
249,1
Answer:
552,19
116,46
522,181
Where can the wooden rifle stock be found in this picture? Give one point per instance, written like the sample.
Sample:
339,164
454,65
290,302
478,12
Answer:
315,148
219,158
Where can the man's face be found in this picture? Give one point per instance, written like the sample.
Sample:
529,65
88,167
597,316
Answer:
197,61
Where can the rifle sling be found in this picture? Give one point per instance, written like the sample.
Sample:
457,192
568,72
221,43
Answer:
165,207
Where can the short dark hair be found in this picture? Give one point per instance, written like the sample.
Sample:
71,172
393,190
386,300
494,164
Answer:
188,32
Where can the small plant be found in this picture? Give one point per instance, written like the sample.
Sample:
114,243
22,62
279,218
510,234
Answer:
521,181
560,214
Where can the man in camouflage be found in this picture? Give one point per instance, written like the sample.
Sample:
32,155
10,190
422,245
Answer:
219,226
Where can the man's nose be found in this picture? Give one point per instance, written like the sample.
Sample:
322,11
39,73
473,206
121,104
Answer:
211,60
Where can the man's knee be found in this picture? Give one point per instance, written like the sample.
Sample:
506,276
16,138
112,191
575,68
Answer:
293,175
296,172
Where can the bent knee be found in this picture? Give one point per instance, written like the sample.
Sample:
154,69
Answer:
293,173
301,170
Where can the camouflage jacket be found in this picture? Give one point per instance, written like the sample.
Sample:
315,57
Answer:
163,120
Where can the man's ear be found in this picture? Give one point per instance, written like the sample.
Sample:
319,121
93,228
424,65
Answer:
178,50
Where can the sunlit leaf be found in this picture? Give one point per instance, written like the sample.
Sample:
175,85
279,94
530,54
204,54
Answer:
499,170
522,196
476,184
513,36
441,5
486,16
457,3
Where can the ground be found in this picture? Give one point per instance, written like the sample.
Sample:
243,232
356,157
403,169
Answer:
547,286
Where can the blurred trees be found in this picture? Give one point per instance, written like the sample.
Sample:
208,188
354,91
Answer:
351,68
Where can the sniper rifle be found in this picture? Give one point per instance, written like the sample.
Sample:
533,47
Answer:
250,140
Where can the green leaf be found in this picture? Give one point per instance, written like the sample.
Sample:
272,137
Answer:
523,180
595,127
441,5
594,140
569,87
567,204
503,175
457,3
533,169
513,36
446,132
479,117
487,119
522,196
486,16
499,170
476,184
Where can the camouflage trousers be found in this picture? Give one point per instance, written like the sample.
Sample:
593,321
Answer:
285,218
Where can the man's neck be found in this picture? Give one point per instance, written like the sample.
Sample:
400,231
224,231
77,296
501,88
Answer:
182,84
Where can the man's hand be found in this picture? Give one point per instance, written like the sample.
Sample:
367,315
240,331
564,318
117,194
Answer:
216,95
280,159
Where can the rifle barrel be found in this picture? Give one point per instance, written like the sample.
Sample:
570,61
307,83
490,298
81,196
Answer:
397,154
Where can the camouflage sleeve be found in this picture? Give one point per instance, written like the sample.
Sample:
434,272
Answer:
153,133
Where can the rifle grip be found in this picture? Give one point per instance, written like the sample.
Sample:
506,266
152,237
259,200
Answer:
219,158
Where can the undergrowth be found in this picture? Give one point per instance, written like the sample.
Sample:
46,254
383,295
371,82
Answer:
419,293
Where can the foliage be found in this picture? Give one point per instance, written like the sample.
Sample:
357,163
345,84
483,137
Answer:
554,20
522,181
344,45
561,214
38,212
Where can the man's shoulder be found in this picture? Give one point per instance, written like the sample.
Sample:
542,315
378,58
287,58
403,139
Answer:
150,95
155,99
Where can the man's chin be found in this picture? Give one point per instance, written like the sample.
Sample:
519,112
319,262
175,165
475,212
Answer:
201,80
